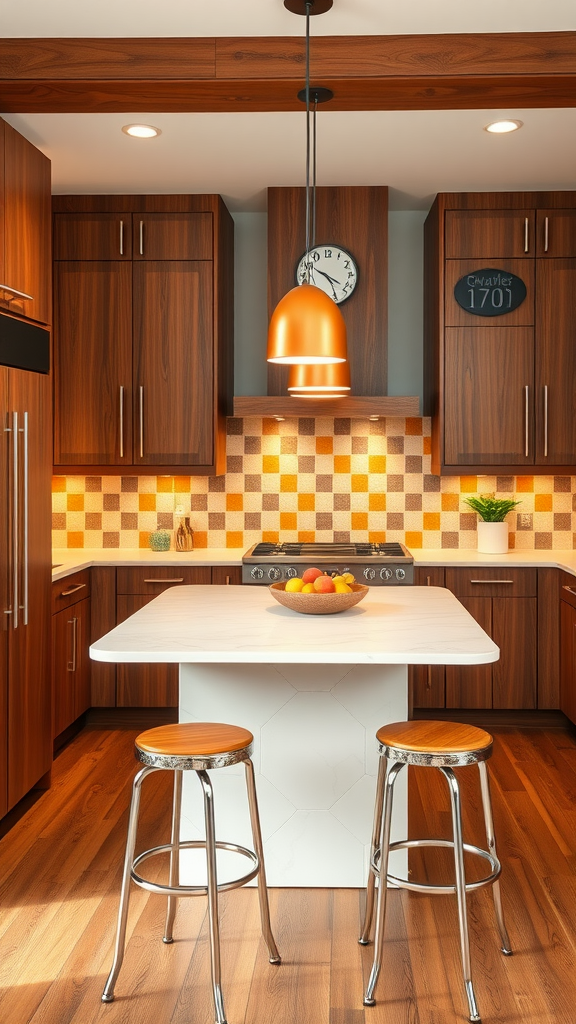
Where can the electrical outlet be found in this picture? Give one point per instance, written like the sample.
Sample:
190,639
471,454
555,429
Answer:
524,521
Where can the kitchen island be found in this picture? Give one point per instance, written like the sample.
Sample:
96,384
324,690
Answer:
313,690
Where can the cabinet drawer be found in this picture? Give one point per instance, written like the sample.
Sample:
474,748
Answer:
172,236
70,590
92,236
227,575
568,588
157,578
488,582
489,234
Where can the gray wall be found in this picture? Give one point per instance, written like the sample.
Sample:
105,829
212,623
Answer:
404,297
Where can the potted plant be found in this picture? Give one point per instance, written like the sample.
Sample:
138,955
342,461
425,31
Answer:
493,528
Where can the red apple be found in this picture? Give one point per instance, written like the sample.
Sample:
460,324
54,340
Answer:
324,585
309,575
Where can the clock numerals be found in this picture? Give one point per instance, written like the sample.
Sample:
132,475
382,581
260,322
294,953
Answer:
330,268
328,254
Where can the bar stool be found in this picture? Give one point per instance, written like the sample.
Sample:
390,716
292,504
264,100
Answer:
199,747
442,745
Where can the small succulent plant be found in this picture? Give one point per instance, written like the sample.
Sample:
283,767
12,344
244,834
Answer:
491,509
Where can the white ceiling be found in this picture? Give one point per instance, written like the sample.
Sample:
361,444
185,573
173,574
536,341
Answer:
416,153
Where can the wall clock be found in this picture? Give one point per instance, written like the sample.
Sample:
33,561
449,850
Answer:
333,269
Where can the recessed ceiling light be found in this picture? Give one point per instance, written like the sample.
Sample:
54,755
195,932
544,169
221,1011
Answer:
141,131
502,127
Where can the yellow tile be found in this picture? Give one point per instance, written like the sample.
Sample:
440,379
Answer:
525,483
341,463
234,503
75,503
288,520
144,539
270,536
234,539
306,536
359,482
413,539
377,536
164,484
182,484
427,445
288,482
270,464
324,445
542,502
200,539
413,424
359,520
75,539
468,484
306,502
270,426
376,463
147,502
377,502
450,502
58,484
430,521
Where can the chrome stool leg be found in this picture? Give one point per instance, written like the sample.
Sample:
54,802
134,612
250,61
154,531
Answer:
108,993
370,888
174,876
506,948
393,772
212,896
461,890
273,954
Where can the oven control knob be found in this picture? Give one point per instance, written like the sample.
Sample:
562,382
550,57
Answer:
274,573
386,574
346,570
369,574
257,573
400,574
291,572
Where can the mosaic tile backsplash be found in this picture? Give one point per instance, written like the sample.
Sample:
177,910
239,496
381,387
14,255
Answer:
320,479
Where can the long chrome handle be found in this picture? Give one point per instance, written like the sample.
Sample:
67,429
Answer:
141,237
545,420
429,672
570,590
72,590
491,581
25,517
227,581
121,237
8,611
121,425
545,234
71,666
15,524
141,421
526,421
15,293
526,235
177,579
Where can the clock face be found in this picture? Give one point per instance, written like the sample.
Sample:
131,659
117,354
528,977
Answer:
332,269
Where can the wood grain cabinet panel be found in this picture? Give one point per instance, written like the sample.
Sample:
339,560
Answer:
514,624
470,686
568,660
555,362
5,511
93,236
227,575
70,664
152,580
427,683
489,234
102,620
556,233
172,236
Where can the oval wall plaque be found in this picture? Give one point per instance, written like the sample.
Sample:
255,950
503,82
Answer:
490,292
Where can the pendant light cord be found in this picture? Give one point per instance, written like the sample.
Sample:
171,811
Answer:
308,6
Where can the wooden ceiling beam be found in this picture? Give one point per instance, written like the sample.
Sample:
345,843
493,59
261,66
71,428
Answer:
412,72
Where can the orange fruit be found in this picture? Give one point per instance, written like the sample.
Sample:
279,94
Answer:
324,585
309,575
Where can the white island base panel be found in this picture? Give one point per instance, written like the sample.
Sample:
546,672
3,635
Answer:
315,758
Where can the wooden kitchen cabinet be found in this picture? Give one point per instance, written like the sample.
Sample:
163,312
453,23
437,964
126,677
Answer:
427,683
172,236
71,694
93,236
489,234
556,233
227,575
568,645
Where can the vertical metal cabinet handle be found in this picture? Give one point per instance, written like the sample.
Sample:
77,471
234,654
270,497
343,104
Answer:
25,534
545,419
8,611
141,237
71,665
429,673
526,421
15,524
121,237
141,393
121,425
227,581
545,234
526,235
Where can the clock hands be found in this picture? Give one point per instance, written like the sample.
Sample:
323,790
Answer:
332,280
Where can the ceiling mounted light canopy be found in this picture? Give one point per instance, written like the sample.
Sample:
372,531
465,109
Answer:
503,127
328,381
141,131
307,328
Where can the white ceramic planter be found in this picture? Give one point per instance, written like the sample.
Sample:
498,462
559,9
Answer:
492,538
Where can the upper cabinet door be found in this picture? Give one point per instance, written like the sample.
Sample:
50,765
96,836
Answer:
172,236
489,234
556,233
173,364
27,229
92,236
555,362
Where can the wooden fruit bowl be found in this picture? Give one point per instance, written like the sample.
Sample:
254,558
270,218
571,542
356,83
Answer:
318,604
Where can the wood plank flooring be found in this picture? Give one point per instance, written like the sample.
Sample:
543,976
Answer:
60,876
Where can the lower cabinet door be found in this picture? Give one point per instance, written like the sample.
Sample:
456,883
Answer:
515,631
143,686
227,575
427,683
70,664
568,660
470,686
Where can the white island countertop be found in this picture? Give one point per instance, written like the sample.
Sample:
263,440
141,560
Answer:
216,624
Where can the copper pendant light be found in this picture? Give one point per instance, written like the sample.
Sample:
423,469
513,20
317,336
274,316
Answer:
307,328
328,381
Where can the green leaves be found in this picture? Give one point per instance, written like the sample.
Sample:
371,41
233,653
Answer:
491,509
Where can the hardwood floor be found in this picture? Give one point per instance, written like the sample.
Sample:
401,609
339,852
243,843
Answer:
60,877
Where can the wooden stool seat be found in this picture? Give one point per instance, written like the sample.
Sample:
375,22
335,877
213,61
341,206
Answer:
194,739
435,737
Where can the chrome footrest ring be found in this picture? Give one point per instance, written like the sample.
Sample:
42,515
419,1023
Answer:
193,890
411,844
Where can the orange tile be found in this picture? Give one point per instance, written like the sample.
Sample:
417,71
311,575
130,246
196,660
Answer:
200,539
431,521
164,484
427,445
377,536
75,539
542,502
75,503
234,503
144,539
324,445
359,482
234,539
306,536
147,502
288,482
270,536
359,520
450,502
413,539
341,463
182,484
511,541
468,484
270,426
306,502
288,520
377,502
376,463
58,484
270,464
525,483
413,424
